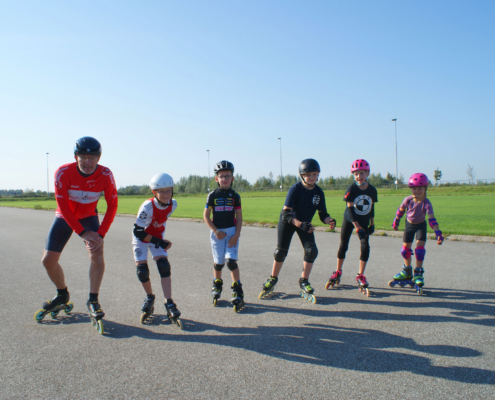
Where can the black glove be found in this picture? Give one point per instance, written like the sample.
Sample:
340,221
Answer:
334,221
306,226
159,242
362,234
371,229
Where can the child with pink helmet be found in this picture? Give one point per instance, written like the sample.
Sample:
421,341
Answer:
416,207
360,198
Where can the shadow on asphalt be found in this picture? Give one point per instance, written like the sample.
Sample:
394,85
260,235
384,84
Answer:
366,350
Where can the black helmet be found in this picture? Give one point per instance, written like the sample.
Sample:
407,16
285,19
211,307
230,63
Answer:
87,145
308,165
224,166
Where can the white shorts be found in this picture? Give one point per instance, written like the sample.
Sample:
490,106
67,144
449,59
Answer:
140,251
220,249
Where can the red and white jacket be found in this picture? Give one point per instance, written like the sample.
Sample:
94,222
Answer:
153,217
77,196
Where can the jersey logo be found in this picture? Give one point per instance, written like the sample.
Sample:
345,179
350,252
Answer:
143,215
224,202
316,200
157,225
362,204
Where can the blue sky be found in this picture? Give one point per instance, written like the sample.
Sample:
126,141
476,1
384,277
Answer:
161,82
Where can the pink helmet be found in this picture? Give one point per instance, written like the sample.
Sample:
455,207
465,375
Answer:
418,179
360,164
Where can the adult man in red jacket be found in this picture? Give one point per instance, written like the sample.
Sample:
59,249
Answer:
78,186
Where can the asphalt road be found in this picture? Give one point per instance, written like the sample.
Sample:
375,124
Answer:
394,344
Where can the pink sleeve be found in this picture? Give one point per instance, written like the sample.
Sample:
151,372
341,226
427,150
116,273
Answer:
428,207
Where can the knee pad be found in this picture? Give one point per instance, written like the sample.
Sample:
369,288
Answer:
163,267
406,252
143,273
280,254
365,250
310,252
420,253
218,267
231,264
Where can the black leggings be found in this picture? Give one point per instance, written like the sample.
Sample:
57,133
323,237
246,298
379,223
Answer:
285,233
345,236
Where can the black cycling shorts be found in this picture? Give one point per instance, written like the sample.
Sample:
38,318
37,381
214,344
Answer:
60,232
411,229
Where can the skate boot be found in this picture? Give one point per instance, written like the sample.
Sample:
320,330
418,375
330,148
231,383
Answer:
237,296
216,290
268,287
54,306
95,315
403,278
419,280
334,279
306,290
173,313
362,284
148,308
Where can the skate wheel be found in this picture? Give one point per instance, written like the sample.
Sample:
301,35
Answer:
262,295
215,302
69,307
143,318
179,324
391,283
39,315
328,285
420,291
99,326
54,314
312,299
366,292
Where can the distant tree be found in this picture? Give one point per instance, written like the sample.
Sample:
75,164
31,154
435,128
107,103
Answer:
437,175
240,184
470,173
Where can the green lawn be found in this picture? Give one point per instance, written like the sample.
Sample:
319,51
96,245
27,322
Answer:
463,214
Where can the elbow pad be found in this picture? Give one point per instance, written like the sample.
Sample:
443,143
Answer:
323,216
352,214
139,232
287,216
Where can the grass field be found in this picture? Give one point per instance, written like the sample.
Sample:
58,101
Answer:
461,213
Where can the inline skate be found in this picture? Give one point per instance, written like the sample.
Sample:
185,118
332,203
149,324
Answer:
362,284
95,315
334,279
148,308
54,306
237,296
306,290
268,287
405,278
216,290
173,313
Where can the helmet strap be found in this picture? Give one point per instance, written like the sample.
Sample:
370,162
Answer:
306,183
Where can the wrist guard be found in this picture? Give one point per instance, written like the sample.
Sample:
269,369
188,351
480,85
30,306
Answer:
306,226
159,242
287,216
362,234
439,236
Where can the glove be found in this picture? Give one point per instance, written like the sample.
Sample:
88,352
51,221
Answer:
371,229
440,238
306,226
395,224
159,242
362,234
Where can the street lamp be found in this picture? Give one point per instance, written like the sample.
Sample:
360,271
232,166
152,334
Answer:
396,165
47,179
208,170
281,175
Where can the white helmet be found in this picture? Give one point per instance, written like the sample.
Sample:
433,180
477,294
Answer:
161,181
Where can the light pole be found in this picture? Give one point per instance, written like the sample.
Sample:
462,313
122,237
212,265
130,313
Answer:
47,179
281,175
396,165
208,170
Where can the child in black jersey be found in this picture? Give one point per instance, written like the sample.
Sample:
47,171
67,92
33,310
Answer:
225,204
360,199
301,203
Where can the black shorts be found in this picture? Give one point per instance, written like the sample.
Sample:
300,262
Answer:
411,229
286,231
60,232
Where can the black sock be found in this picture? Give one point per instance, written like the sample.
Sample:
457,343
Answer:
93,297
61,292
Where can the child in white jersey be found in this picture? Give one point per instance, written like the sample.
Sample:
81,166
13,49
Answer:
416,207
149,233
